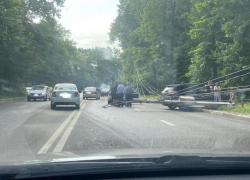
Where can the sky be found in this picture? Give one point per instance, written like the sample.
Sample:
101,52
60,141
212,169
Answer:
89,21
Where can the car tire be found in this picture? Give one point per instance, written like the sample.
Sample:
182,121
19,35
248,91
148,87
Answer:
78,106
172,107
45,99
28,99
53,106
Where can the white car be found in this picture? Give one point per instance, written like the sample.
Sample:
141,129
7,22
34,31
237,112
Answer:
65,94
39,92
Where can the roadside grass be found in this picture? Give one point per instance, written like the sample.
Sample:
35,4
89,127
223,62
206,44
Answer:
149,97
12,95
238,108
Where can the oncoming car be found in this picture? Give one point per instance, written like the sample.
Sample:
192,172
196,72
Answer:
65,94
105,92
39,92
91,92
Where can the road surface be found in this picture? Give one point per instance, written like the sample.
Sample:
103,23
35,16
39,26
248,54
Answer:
32,128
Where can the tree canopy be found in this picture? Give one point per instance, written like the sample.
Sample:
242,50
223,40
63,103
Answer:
36,49
170,41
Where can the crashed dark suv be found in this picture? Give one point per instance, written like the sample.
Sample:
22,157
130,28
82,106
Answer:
173,92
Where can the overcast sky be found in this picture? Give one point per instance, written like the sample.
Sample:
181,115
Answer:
89,21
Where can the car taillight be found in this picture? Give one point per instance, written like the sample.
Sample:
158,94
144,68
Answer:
54,94
171,92
76,94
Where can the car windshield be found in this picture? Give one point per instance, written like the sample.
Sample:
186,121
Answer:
90,89
38,88
65,87
123,78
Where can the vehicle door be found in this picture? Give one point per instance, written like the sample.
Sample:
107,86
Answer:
47,92
182,90
202,95
50,92
191,90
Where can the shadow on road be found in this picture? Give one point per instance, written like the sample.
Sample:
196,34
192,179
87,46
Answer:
92,99
190,109
65,108
32,101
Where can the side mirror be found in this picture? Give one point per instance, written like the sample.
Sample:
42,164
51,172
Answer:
79,91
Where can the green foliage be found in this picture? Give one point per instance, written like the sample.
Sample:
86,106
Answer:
169,41
238,109
42,53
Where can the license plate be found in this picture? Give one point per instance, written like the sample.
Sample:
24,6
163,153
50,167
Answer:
65,95
88,92
36,95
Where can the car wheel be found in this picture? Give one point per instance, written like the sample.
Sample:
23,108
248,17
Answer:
45,99
77,106
53,106
172,107
28,99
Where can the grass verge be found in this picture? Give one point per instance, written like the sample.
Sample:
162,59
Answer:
13,95
238,108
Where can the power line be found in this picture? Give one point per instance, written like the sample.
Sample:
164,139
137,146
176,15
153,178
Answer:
219,77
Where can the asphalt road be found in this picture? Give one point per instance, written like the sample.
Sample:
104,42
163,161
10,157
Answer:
32,128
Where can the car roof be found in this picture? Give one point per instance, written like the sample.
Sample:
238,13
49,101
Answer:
65,84
40,85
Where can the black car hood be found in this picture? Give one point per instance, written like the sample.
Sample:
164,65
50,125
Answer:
68,156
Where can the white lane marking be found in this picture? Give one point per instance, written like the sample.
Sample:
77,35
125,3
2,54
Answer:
52,139
137,109
65,136
23,106
170,124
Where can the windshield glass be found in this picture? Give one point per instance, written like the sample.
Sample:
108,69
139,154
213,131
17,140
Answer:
38,88
124,77
65,87
90,89
105,89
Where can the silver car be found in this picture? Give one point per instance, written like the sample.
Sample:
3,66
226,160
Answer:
39,92
91,92
65,94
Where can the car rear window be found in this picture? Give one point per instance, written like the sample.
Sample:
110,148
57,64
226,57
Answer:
169,88
65,87
90,89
